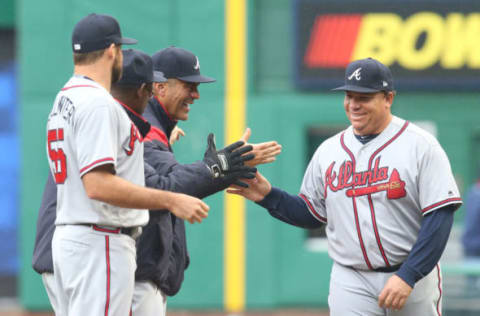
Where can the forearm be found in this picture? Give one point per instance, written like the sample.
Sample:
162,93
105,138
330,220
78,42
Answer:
103,186
162,171
193,179
430,244
288,208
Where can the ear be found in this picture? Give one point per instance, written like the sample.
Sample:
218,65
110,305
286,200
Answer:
160,88
141,90
111,50
389,98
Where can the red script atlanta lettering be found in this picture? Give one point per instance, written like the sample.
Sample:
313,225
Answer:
346,176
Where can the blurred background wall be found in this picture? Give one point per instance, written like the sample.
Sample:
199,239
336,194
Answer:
288,100
9,159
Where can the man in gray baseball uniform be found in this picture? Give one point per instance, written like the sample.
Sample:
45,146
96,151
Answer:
95,153
385,191
134,89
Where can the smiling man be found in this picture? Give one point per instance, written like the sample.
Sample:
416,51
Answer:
385,191
162,254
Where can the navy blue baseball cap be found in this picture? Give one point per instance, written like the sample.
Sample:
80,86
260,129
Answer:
367,75
179,63
96,32
138,69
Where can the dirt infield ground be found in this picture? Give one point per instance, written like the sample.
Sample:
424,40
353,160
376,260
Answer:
285,312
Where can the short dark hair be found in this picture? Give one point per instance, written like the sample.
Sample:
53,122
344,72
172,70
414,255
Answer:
87,58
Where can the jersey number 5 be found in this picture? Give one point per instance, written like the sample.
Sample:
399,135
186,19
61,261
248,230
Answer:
57,156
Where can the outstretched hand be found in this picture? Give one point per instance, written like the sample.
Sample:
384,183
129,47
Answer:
264,152
177,132
257,188
229,162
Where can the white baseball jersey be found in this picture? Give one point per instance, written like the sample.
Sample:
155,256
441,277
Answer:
373,196
88,128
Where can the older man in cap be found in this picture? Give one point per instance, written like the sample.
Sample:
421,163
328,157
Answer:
162,254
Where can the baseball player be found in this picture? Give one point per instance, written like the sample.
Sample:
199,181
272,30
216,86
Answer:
132,92
95,154
385,190
162,254
135,87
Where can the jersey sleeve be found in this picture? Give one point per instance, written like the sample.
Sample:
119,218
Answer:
95,138
312,189
436,184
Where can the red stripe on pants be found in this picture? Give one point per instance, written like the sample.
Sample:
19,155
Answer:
107,255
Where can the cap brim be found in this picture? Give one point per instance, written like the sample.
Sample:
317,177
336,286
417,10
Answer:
159,77
128,41
197,79
355,89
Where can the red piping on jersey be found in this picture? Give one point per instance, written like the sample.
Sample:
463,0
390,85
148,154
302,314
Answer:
107,255
375,229
357,224
156,134
78,86
131,110
428,208
439,310
96,162
404,127
370,201
312,209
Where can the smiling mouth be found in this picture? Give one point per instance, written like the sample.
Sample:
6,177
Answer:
357,116
186,106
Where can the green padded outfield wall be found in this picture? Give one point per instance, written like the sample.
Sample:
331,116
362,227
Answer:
7,14
281,270
46,63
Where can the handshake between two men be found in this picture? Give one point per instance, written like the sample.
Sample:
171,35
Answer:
235,164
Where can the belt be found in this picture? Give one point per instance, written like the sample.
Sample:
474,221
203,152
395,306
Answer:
133,232
388,269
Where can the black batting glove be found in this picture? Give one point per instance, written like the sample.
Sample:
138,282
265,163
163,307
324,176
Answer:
228,162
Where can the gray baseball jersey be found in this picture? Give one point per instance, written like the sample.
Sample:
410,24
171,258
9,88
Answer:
88,128
373,197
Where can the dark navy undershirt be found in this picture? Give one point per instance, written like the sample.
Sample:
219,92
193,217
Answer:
425,254
365,138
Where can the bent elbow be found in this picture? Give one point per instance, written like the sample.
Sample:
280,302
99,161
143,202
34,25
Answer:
93,193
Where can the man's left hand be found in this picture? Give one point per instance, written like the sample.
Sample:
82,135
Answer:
394,294
177,132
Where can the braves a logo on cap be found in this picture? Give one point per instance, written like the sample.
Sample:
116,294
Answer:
197,64
356,74
395,186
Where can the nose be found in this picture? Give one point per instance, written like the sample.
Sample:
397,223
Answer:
354,104
194,93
